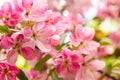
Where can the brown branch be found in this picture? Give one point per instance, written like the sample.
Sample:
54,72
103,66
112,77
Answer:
107,75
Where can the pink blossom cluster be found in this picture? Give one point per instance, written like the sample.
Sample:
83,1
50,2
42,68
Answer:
34,31
109,8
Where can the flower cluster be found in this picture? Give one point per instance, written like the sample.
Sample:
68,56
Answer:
50,44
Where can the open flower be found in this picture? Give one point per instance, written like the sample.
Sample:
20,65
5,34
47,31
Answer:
8,72
82,39
115,38
89,68
31,9
67,63
9,15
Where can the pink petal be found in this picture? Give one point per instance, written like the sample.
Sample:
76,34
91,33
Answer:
115,38
7,8
18,5
75,38
74,67
88,33
12,57
96,64
2,77
14,69
39,7
76,58
55,40
27,3
28,53
85,74
27,31
19,37
43,47
78,31
11,76
6,42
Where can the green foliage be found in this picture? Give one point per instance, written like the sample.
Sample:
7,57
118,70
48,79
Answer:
4,29
55,76
39,65
21,75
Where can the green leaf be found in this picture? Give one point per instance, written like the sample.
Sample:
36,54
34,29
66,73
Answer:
105,43
21,75
42,62
59,47
55,76
4,29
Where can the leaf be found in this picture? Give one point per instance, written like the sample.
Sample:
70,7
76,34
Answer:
21,75
59,47
55,76
42,62
105,43
4,29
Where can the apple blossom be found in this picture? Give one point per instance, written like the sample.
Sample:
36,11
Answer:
57,43
68,62
7,71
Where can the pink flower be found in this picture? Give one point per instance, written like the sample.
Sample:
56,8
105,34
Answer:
25,46
15,43
31,9
108,8
77,6
82,40
52,17
81,34
28,53
73,21
45,36
8,72
12,56
6,42
115,38
68,62
9,15
33,75
104,51
89,68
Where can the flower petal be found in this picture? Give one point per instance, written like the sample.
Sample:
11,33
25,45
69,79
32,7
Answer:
12,57
28,53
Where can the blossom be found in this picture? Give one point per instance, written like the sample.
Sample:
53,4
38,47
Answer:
6,42
33,75
89,68
46,34
9,15
104,51
108,8
77,6
115,38
31,9
82,39
8,71
68,62
17,42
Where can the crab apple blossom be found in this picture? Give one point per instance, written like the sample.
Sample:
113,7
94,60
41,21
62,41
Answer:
89,68
18,42
31,9
67,63
8,72
115,38
82,39
56,40
9,15
107,9
6,42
